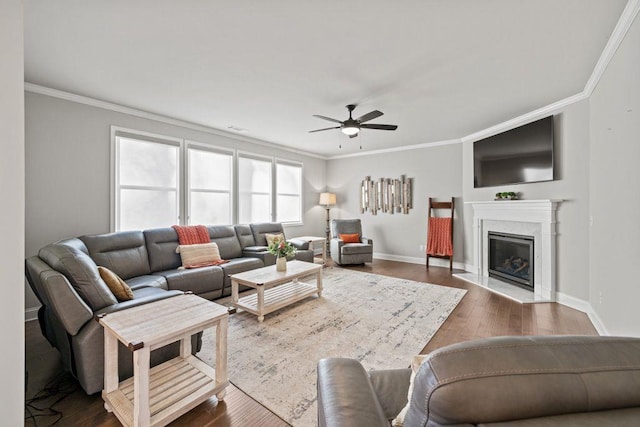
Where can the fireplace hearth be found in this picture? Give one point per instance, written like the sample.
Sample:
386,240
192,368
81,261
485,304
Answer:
511,258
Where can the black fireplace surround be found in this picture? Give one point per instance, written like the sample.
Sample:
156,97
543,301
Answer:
511,258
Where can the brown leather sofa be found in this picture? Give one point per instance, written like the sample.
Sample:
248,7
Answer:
501,381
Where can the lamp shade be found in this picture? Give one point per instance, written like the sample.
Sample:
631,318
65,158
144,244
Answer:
327,199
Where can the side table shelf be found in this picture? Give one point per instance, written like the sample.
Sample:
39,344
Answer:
175,387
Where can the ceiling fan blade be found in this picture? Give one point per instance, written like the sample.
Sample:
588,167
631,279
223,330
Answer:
369,116
318,130
379,127
327,118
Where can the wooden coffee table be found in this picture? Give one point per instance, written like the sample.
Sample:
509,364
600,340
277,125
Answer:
275,289
156,396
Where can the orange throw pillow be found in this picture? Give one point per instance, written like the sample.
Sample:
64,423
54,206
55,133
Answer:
350,238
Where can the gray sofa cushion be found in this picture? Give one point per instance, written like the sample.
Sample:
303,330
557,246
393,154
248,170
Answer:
227,240
80,270
260,229
245,236
148,281
254,249
161,246
238,265
356,248
123,252
197,280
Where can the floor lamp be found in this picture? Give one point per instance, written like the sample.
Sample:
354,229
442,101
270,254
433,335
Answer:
327,200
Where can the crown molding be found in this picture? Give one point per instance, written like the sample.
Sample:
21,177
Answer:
525,118
627,17
617,36
68,96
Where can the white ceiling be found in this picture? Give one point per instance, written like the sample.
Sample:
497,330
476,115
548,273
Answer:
439,69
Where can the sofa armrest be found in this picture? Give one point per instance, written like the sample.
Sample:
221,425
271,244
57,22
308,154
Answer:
66,304
391,387
150,295
366,240
299,243
266,257
346,396
254,249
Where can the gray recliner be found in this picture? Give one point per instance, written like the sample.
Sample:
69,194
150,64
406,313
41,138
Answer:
349,253
501,381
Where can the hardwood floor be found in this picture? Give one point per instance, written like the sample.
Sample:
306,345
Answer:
480,314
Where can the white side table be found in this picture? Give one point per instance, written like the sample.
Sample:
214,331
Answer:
313,241
156,396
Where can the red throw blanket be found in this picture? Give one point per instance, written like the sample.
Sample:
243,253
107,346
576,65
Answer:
192,234
439,241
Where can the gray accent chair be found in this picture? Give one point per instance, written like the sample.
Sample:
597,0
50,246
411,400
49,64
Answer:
303,253
349,253
501,381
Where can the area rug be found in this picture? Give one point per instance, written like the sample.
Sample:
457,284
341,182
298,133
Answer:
380,321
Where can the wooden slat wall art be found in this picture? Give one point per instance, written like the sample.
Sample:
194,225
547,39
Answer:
387,195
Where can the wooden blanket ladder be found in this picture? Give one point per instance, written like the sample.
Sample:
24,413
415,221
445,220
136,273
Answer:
440,238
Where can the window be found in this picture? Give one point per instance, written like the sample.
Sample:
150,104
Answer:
288,192
146,183
209,186
158,181
254,189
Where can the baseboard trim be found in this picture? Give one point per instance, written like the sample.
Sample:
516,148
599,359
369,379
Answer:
31,314
597,323
585,307
573,302
436,262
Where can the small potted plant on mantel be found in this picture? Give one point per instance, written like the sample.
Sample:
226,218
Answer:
506,195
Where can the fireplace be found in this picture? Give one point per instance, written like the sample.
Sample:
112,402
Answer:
511,258
535,218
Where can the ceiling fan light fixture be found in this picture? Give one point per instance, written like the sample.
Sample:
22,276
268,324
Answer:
350,129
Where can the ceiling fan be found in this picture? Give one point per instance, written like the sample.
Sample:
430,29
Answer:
352,126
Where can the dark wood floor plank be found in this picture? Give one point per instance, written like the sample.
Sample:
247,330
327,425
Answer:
480,314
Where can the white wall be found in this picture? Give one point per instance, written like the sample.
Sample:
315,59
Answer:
68,175
436,172
615,197
12,224
571,135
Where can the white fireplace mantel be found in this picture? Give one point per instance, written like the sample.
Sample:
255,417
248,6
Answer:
535,218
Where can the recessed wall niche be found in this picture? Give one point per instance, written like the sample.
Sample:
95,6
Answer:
386,195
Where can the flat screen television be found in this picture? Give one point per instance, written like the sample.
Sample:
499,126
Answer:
523,154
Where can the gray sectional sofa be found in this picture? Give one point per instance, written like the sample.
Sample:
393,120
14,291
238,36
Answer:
64,277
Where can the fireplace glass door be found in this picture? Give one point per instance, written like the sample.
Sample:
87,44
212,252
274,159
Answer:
511,258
